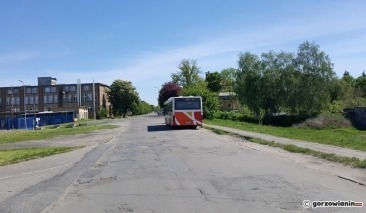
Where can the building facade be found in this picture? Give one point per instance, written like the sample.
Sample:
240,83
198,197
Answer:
228,101
85,99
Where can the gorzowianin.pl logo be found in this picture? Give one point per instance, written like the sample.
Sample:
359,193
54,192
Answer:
339,203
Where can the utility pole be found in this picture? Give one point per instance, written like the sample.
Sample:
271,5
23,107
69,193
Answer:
65,93
25,110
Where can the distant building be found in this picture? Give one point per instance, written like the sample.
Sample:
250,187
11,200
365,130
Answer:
228,101
50,96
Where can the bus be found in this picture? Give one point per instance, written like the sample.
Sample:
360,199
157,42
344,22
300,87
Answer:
183,111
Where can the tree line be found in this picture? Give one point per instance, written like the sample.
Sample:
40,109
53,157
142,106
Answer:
271,83
125,99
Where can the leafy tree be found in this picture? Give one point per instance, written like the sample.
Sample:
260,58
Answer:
348,78
103,113
316,72
228,79
210,100
188,74
248,82
214,81
361,84
141,108
169,89
123,97
278,82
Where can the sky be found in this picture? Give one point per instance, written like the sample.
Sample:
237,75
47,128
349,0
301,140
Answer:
143,41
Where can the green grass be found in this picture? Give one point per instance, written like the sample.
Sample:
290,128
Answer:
47,133
348,161
348,138
18,155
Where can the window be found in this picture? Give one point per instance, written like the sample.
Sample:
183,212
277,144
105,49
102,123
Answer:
15,91
26,99
53,89
31,99
66,88
50,99
72,88
28,90
45,99
75,98
34,90
36,99
90,97
47,89
17,100
187,103
10,91
8,102
55,99
84,97
86,88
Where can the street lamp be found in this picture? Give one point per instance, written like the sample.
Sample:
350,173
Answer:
25,110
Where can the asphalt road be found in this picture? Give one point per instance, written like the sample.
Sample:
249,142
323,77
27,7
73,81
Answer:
146,167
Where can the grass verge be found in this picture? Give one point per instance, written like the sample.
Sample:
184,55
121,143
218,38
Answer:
28,135
346,137
348,161
12,156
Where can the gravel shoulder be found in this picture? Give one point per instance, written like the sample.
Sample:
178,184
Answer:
18,177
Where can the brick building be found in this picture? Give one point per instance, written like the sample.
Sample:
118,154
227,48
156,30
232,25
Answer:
85,99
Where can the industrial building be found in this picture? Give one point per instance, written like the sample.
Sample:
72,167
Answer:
82,100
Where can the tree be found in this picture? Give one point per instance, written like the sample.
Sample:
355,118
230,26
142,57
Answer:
348,78
188,74
316,72
277,82
141,108
210,100
214,81
123,97
228,79
248,83
169,89
361,84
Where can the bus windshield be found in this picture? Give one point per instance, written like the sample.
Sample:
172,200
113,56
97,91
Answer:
187,103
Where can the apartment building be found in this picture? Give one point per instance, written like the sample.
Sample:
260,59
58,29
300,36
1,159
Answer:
85,99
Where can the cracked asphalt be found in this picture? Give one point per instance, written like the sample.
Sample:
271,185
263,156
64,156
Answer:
143,166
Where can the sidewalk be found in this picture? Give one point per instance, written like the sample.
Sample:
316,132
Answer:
305,144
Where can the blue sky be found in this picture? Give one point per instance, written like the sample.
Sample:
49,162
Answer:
143,41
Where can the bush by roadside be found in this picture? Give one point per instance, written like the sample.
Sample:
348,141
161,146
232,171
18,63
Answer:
326,121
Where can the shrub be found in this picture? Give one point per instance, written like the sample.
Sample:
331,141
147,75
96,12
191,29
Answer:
326,121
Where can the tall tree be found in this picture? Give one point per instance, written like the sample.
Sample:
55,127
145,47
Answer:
316,71
214,81
188,74
361,84
169,89
278,81
123,97
248,83
348,78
